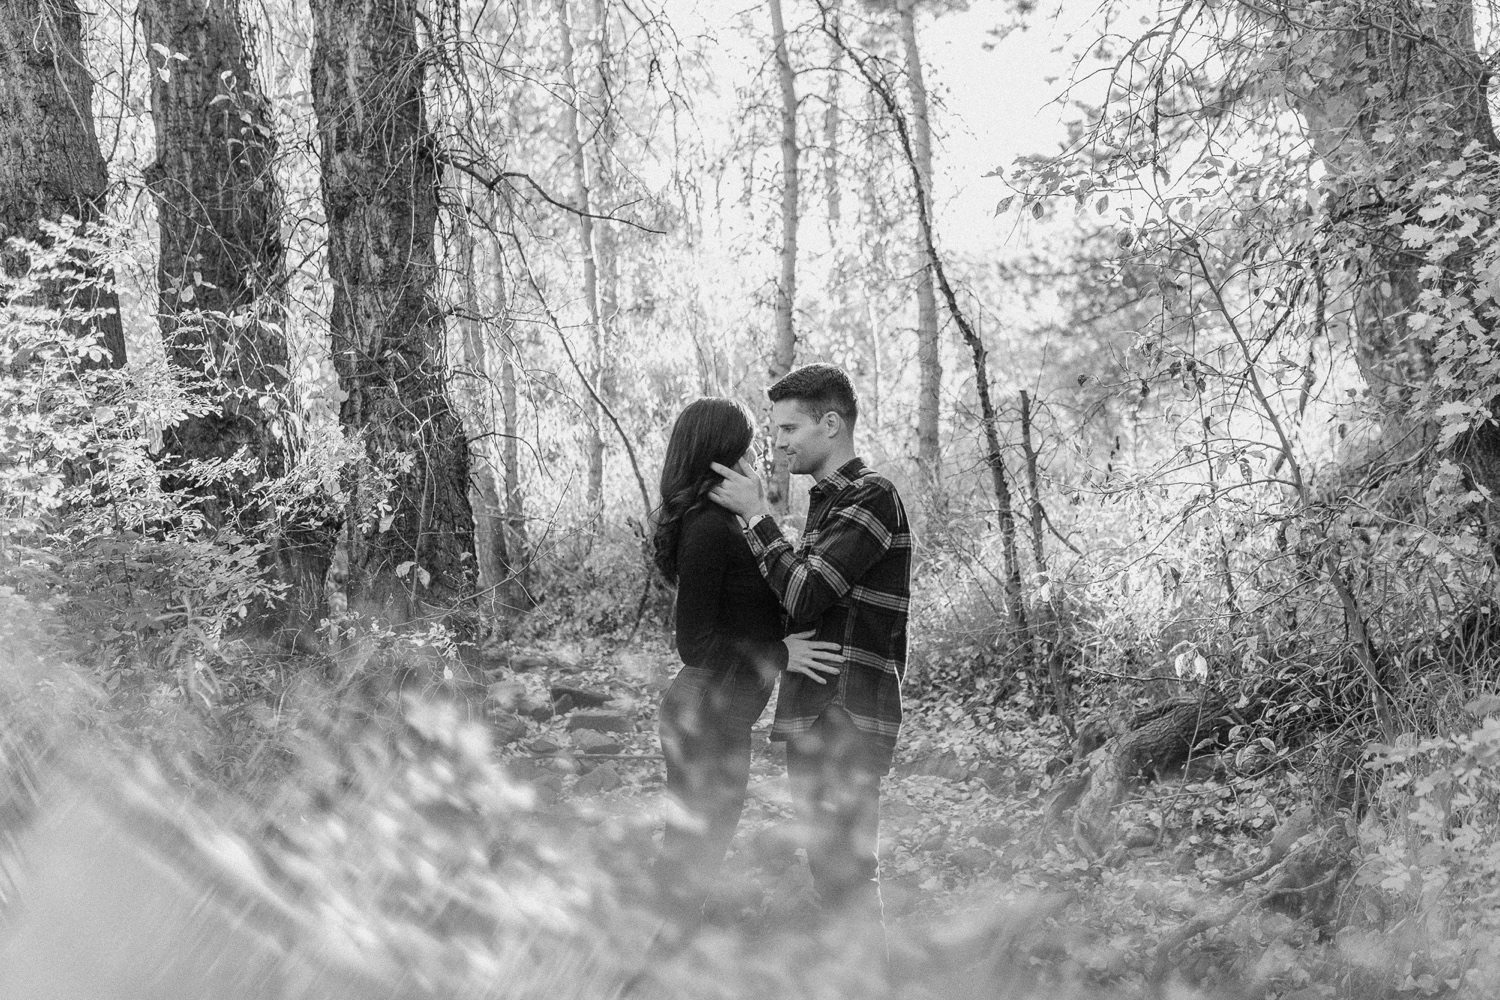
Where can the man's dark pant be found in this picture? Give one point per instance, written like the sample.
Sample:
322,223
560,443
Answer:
835,774
706,718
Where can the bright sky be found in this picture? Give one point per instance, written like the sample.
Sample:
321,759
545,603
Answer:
998,104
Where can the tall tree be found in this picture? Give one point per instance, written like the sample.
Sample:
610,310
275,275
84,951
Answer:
410,530
929,360
588,242
784,354
51,166
221,263
1395,87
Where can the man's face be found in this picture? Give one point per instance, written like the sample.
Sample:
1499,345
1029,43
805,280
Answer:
803,438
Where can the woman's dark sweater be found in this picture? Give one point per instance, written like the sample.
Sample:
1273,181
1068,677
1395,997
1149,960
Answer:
728,618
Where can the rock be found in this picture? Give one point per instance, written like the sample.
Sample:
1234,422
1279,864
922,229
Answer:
589,741
536,709
603,722
971,860
994,834
563,705
1140,836
507,728
547,744
579,697
601,779
524,771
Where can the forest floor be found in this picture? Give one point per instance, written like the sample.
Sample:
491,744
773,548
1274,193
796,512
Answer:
979,893
983,897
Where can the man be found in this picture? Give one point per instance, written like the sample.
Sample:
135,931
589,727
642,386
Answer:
849,580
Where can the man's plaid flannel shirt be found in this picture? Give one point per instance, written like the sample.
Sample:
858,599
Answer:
850,579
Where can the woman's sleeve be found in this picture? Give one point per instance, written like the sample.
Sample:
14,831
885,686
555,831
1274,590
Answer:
702,558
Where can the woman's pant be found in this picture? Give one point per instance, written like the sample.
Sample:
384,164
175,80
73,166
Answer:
706,719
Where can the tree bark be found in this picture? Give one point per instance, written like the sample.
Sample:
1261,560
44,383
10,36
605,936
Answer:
491,558
583,200
784,354
929,361
1413,68
221,263
517,589
832,114
51,167
1049,632
1155,742
410,528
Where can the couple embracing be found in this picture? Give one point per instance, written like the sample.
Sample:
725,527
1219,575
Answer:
826,616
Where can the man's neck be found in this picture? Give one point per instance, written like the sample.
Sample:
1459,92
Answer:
835,461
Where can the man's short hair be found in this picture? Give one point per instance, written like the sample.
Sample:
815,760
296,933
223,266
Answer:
819,388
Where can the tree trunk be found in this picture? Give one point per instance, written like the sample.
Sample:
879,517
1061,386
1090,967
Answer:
605,339
929,362
1049,632
490,556
583,200
1156,741
410,528
50,163
832,113
784,355
517,588
1414,68
220,268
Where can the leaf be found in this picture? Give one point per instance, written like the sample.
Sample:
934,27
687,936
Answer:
405,568
1038,210
1102,204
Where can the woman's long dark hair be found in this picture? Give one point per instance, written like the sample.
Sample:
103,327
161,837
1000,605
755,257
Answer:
707,430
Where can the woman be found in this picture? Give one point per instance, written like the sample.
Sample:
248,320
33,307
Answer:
729,635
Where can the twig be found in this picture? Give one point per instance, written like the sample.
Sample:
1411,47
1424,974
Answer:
492,183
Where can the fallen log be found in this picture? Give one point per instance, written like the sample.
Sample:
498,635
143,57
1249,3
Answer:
1161,739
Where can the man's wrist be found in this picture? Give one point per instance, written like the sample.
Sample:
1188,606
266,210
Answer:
755,517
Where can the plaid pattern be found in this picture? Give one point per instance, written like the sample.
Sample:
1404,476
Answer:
850,579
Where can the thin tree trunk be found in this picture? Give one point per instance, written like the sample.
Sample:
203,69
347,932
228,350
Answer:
517,590
410,528
490,555
606,237
1057,674
784,354
832,113
583,199
50,163
994,457
221,265
929,361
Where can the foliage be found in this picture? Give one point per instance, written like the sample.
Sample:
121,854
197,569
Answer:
86,523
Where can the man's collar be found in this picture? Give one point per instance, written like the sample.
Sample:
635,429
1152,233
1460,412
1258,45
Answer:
840,477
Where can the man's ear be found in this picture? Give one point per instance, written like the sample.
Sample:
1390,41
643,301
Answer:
832,423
